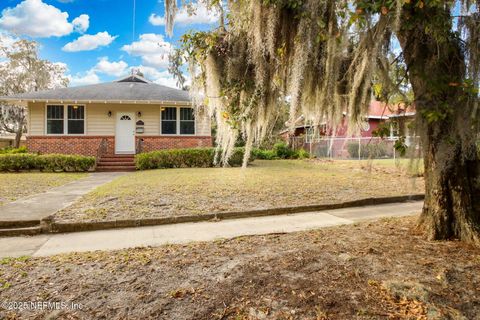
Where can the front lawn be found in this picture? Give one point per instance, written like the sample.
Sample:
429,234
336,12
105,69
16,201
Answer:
264,184
14,186
372,270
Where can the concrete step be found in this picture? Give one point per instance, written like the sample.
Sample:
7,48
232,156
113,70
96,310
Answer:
115,168
9,224
117,159
13,232
115,163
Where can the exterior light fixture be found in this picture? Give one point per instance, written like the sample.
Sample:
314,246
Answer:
139,114
109,114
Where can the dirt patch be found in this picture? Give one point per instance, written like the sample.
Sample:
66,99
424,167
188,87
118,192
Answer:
264,185
375,270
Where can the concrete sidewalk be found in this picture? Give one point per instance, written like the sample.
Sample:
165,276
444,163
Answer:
45,245
39,206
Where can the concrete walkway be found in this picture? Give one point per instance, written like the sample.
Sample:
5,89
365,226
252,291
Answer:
39,206
45,245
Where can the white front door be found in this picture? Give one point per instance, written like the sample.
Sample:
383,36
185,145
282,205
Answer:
125,133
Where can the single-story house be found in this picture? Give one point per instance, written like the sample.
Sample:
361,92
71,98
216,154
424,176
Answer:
127,116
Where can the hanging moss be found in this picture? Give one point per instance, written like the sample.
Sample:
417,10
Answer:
321,56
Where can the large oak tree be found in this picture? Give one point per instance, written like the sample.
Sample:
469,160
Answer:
324,56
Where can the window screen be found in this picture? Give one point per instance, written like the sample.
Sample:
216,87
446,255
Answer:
169,120
187,121
55,118
76,119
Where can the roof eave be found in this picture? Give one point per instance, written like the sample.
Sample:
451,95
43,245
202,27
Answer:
89,101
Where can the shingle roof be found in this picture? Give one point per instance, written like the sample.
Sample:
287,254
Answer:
131,88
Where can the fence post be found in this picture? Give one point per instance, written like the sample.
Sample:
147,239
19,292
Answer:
359,149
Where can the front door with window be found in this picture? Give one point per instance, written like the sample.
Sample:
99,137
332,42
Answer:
125,133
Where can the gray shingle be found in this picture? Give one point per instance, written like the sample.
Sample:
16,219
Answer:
122,90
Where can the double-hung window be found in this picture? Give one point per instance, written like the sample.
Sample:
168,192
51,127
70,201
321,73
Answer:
187,121
76,119
69,119
178,121
169,120
55,119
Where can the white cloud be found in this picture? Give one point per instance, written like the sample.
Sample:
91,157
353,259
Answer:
6,40
159,77
112,68
81,23
89,42
81,80
152,48
200,15
36,19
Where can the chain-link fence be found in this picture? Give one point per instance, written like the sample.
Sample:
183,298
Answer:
356,148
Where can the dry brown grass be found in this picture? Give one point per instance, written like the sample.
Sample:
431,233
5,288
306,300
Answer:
18,185
265,184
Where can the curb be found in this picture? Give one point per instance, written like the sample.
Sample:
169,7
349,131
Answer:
50,226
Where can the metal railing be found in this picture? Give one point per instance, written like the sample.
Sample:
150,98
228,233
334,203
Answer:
139,147
102,149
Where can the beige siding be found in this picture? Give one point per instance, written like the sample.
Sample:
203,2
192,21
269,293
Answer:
203,124
98,123
36,116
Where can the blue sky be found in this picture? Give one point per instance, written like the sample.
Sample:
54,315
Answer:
94,38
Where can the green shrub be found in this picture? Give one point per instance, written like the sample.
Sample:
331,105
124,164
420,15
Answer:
301,154
264,154
280,151
184,158
69,163
49,162
283,151
18,161
6,150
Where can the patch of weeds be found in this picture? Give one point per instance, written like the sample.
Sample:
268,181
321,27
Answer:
406,290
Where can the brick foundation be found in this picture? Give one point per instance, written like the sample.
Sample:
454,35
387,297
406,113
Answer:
82,145
152,143
88,145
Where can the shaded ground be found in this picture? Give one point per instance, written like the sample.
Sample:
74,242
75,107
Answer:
14,186
375,270
265,184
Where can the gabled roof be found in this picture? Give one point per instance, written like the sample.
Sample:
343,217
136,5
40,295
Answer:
132,88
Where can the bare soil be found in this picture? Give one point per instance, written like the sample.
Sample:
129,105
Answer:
371,270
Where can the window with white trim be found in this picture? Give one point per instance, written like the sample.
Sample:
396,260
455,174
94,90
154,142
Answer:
187,121
76,119
55,119
169,120
69,119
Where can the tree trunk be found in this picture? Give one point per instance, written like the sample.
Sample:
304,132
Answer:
18,137
445,124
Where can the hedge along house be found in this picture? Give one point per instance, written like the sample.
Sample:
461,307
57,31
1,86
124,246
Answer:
124,117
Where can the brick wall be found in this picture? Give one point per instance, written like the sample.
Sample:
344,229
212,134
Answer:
82,145
152,143
88,145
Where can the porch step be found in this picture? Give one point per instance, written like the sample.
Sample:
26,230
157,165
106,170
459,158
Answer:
116,163
13,232
115,168
111,159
